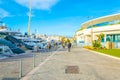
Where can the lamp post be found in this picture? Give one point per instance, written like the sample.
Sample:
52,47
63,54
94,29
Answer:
29,17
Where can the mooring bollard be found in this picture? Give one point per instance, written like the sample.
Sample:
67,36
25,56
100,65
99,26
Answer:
33,60
20,74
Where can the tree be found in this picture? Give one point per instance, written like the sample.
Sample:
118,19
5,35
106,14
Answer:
118,22
100,36
67,40
63,39
97,43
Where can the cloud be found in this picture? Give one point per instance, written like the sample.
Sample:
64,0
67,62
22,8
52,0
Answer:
3,13
38,4
116,11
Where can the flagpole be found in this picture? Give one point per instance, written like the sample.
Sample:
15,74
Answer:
29,16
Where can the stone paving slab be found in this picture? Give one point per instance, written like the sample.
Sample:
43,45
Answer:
91,67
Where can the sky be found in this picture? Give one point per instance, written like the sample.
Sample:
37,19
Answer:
54,17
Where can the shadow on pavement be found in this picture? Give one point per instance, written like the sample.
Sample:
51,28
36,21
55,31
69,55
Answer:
10,78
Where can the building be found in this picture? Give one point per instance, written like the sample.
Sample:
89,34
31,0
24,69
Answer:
54,37
108,25
48,37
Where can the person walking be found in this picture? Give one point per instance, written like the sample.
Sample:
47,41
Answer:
63,45
55,46
49,46
69,46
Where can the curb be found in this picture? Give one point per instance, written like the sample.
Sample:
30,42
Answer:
103,54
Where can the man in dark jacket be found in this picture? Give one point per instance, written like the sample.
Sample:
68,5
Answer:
69,46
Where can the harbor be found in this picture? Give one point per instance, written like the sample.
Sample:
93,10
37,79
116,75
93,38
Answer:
59,40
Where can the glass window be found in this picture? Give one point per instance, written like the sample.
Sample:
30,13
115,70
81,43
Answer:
102,40
108,38
113,38
81,41
118,38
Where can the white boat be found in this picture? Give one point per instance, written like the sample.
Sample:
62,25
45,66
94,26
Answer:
24,38
5,50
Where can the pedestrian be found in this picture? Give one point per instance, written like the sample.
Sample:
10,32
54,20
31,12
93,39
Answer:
63,44
49,46
54,45
69,46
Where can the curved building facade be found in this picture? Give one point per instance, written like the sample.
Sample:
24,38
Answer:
108,25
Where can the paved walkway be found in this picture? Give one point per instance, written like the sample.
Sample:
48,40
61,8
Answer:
91,67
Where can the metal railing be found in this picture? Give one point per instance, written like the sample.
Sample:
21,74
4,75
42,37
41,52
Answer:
14,68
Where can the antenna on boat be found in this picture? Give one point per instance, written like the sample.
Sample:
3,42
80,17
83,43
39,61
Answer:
29,16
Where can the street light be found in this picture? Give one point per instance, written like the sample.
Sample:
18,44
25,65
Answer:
29,17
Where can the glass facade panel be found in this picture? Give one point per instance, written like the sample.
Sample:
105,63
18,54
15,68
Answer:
113,38
107,38
102,39
118,38
105,23
81,41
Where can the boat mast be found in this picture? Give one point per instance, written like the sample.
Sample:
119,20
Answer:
1,21
29,16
